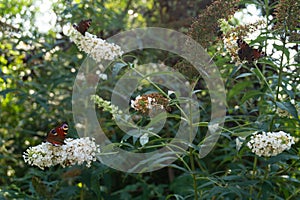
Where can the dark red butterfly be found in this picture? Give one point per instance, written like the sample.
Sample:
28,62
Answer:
57,135
248,53
83,26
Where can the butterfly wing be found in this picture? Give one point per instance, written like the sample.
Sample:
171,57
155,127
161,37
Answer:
258,54
247,53
83,26
57,135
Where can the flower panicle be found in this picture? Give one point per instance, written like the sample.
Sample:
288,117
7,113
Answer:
269,144
148,102
232,34
98,49
106,105
73,152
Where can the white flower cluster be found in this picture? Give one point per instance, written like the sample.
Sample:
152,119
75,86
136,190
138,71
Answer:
74,151
99,49
270,143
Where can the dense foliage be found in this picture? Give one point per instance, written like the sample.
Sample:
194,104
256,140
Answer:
39,63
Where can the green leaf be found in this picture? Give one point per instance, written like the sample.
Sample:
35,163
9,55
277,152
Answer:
287,106
176,196
243,134
40,188
237,88
6,91
258,74
67,191
117,68
283,49
250,94
95,182
243,75
157,120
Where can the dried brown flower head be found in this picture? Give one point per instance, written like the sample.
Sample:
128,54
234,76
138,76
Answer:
287,13
150,102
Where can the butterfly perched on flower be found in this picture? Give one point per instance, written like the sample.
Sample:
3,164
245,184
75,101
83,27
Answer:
248,53
83,26
57,135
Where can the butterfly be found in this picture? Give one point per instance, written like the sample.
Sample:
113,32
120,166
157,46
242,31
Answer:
248,53
83,26
57,135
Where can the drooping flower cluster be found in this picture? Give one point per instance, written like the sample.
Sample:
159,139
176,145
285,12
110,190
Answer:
98,49
287,14
270,143
74,151
205,28
150,102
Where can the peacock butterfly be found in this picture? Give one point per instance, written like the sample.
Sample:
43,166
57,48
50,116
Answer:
57,135
248,53
83,26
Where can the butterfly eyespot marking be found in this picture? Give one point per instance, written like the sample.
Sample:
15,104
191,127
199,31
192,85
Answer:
241,42
65,127
53,132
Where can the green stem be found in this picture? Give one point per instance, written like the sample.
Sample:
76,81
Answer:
262,181
293,195
191,152
280,72
264,79
279,81
189,120
82,193
193,174
253,175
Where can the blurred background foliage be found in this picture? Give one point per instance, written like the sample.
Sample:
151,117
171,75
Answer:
39,65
